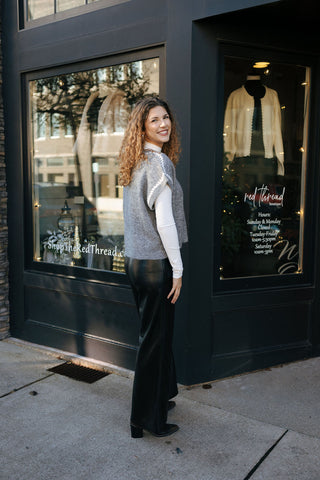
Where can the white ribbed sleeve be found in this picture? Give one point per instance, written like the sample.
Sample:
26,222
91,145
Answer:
168,231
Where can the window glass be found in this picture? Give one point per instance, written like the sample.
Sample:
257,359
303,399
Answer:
41,125
66,4
76,194
264,162
55,125
42,8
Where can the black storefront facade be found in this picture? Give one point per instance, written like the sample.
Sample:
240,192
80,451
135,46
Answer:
243,79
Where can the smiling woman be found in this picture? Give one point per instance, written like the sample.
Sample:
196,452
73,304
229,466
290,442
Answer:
154,231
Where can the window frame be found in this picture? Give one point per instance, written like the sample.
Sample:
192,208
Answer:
27,139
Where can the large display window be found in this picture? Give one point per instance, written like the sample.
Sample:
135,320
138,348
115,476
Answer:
78,121
264,167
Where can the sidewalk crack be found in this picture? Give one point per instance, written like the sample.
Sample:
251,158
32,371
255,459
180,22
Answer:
262,459
26,386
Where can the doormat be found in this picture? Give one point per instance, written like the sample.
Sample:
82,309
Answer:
78,372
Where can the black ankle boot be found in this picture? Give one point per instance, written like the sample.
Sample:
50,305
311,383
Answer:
136,432
168,429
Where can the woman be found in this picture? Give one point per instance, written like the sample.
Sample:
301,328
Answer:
154,232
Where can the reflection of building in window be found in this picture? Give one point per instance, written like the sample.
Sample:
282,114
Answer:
117,115
55,178
67,4
38,162
118,187
40,8
104,185
55,162
47,169
106,177
55,125
71,177
68,128
41,125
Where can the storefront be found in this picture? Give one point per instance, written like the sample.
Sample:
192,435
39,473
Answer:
243,80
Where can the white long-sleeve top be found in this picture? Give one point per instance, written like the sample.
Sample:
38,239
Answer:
238,125
168,231
166,225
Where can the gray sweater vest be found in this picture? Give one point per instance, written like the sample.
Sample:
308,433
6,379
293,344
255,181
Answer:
141,237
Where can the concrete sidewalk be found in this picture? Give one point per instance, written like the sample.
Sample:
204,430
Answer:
259,426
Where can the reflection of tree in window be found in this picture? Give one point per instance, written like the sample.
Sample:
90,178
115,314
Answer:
135,70
116,73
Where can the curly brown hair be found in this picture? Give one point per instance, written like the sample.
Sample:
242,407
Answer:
131,151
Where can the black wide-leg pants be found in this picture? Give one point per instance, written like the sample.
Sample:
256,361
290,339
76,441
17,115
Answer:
155,377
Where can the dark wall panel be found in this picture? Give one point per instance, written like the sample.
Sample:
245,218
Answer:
83,314
256,328
84,345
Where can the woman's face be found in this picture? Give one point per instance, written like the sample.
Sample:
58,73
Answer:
157,127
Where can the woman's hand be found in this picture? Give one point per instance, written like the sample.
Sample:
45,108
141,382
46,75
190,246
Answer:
175,291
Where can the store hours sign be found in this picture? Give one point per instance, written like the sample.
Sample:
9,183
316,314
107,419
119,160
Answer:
263,240
265,228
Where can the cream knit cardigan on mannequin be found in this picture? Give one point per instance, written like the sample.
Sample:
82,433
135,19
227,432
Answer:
238,125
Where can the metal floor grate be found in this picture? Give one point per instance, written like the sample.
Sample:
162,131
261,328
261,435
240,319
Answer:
78,372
